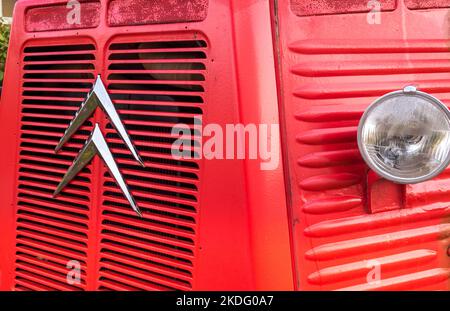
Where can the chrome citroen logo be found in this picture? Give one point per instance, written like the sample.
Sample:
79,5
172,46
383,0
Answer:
96,144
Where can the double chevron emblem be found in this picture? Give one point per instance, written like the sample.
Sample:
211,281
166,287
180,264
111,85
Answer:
96,144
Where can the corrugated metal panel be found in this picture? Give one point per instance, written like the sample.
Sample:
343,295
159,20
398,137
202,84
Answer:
326,7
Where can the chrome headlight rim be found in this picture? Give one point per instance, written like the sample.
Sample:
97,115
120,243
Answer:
407,91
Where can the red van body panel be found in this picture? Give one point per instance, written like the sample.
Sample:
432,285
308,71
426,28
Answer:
200,232
348,224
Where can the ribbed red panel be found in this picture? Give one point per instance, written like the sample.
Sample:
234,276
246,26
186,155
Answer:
68,15
333,68
140,12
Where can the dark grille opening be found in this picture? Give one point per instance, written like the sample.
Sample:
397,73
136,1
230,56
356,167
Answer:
156,87
70,216
55,138
47,255
65,57
49,147
53,202
115,286
66,112
161,76
58,85
147,203
48,119
51,182
52,231
154,227
165,163
45,163
157,191
47,261
59,48
61,75
153,150
158,66
112,275
147,199
62,104
163,213
42,172
158,45
156,118
55,94
159,259
30,244
50,242
166,182
56,130
43,276
150,242
132,128
48,191
160,108
157,139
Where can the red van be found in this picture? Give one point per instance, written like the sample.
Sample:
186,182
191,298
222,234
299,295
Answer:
92,196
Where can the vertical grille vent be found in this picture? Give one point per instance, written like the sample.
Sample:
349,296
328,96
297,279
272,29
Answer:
52,231
154,85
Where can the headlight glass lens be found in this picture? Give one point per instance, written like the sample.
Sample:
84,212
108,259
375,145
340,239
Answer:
405,136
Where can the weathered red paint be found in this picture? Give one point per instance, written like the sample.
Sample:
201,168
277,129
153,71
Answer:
140,12
326,7
55,17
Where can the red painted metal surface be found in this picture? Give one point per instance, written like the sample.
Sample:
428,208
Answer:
345,223
206,224
55,17
139,12
326,7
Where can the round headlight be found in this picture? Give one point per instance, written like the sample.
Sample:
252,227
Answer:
404,136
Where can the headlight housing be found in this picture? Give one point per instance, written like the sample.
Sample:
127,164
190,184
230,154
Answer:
404,136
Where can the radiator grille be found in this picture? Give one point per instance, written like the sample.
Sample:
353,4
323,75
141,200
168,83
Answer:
52,231
154,85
